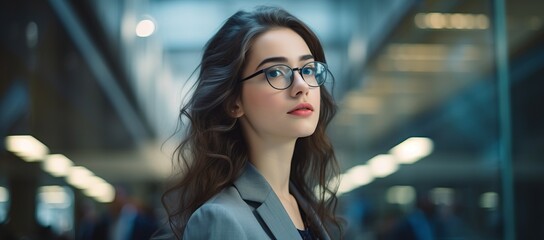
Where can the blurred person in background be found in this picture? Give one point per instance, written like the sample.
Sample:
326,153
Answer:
124,220
255,147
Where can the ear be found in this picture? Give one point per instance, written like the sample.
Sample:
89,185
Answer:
236,110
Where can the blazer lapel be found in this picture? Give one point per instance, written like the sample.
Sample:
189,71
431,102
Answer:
253,187
277,219
309,211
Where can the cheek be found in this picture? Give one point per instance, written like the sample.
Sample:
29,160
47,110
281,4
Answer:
255,99
252,99
316,101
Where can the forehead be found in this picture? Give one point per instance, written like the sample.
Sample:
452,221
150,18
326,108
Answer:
278,42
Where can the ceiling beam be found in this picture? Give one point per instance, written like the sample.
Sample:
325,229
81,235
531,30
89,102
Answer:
98,66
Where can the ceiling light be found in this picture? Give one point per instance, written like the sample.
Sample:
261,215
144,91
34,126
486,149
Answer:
402,195
101,190
26,147
489,200
382,165
353,178
107,196
412,150
145,28
57,165
79,177
458,21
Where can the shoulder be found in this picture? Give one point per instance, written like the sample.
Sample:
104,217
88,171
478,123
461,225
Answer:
221,217
213,221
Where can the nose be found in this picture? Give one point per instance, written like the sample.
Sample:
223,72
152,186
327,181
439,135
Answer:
299,86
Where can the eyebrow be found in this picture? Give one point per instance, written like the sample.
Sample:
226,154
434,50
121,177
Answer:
283,59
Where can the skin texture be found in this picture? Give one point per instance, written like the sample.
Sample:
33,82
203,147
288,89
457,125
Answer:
265,108
265,113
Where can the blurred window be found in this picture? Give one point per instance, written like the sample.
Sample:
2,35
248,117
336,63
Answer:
55,208
4,203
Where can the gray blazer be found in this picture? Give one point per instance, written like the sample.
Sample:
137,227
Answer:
248,209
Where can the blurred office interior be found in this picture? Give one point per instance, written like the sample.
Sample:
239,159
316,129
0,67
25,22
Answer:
439,131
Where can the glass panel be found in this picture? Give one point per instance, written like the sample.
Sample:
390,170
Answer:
525,30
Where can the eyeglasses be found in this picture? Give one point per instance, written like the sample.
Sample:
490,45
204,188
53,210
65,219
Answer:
280,76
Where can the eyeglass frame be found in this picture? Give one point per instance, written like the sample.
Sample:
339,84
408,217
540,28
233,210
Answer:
292,79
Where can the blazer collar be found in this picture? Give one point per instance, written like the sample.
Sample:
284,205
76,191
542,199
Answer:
253,187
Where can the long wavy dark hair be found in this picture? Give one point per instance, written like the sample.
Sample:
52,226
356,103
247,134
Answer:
213,151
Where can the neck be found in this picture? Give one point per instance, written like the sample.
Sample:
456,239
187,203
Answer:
273,161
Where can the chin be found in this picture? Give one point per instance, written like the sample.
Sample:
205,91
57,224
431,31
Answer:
306,133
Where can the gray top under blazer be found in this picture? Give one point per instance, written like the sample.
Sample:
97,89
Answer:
248,209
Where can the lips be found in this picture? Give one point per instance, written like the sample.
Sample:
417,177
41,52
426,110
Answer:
302,109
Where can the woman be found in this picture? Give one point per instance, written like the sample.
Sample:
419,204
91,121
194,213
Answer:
255,152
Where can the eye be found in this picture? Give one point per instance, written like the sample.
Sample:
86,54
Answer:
275,72
310,70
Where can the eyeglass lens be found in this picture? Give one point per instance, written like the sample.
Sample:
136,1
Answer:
281,76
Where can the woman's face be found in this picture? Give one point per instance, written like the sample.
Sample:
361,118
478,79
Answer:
282,114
